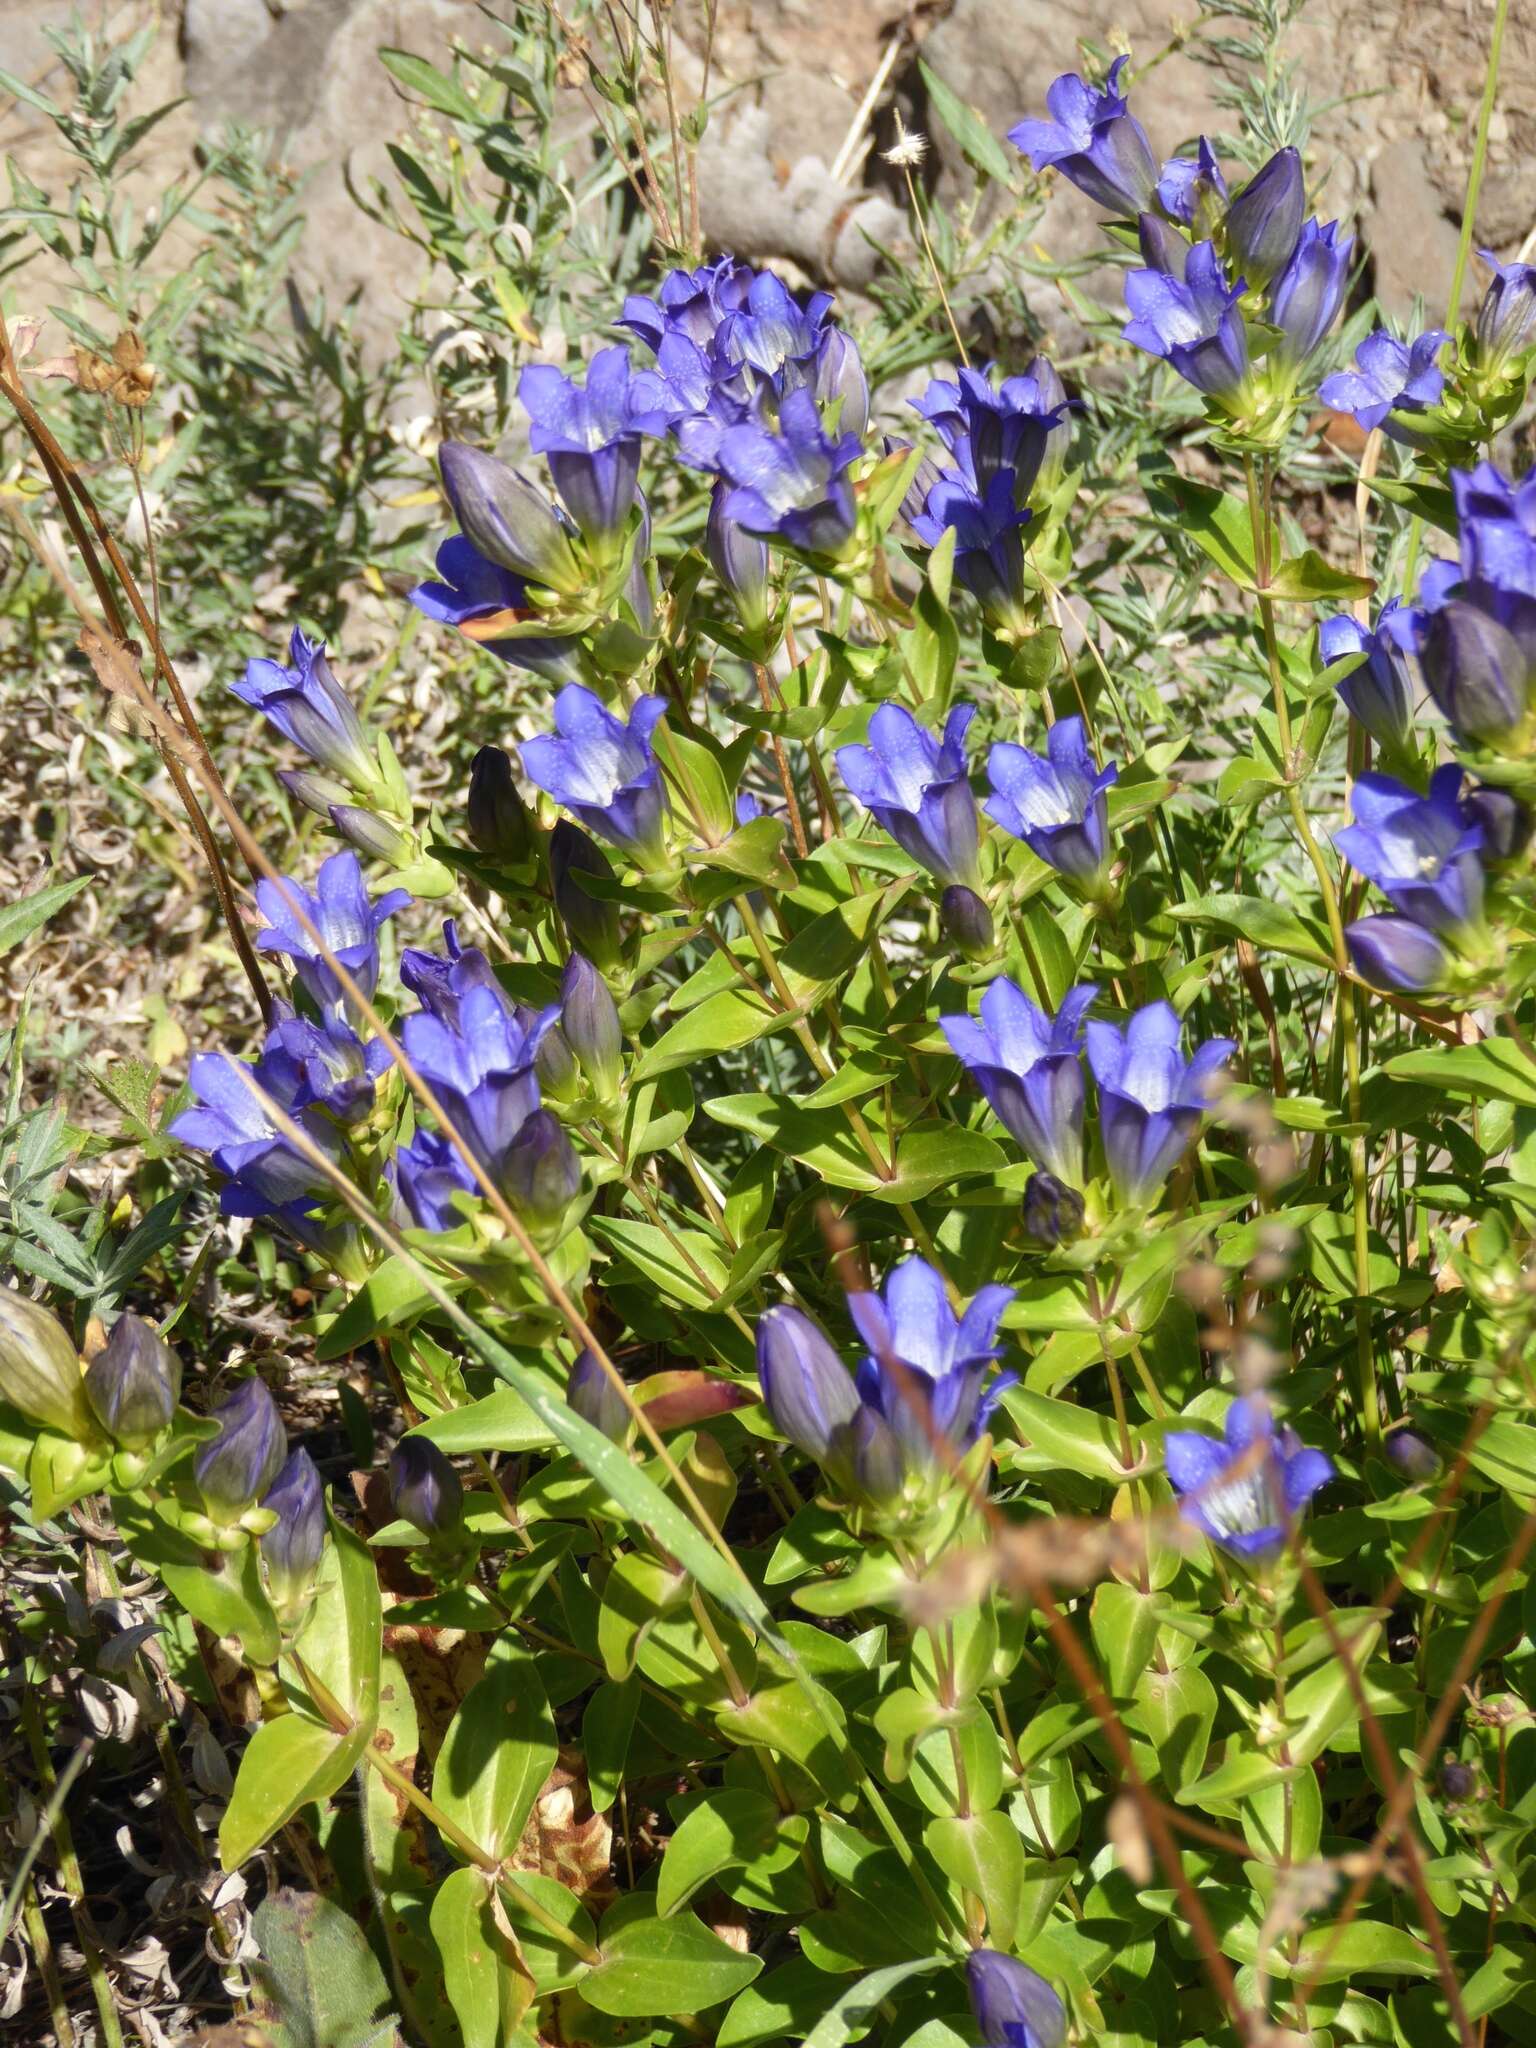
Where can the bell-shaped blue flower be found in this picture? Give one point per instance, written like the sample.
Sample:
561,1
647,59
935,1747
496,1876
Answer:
1308,293
481,1069
508,520
346,920
590,436
1151,1099
1394,952
309,707
942,1396
603,771
1095,142
1056,803
1029,1067
792,484
1245,1494
690,302
1263,222
1389,377
1377,692
427,1173
739,559
917,787
1506,319
441,981
1193,323
339,1069
989,548
994,429
1193,191
1013,2004
1496,524
472,590
1420,851
265,1171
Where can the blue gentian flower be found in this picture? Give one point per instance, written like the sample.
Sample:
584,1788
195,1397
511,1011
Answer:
441,981
1029,1067
339,1070
1244,1494
541,1175
423,1487
345,918
1193,191
1055,803
133,1383
1263,222
508,520
947,1356
1163,247
1506,319
1308,293
989,548
792,484
1013,2004
589,434
773,334
917,787
1151,1099
603,771
265,1173
1420,851
1095,142
997,429
470,588
292,1548
481,1069
428,1173
1193,323
309,707
690,302
1496,521
1377,693
1503,820
1389,377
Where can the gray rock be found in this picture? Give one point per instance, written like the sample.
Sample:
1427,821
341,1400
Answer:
1411,239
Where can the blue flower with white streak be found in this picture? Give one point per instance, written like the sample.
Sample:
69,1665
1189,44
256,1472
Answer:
1246,1493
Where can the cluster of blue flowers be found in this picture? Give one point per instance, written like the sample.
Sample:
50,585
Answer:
1218,265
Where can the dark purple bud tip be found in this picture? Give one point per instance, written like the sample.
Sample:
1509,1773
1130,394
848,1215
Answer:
235,1468
967,922
499,825
541,1174
1053,1212
592,925
807,1390
1013,2004
134,1383
1264,220
589,1018
1457,1781
596,1399
292,1547
1413,1457
1505,822
424,1486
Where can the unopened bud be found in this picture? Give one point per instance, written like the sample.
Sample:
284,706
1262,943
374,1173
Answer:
40,1368
594,1397
589,1018
541,1175
235,1468
967,922
592,926
1053,1211
499,825
424,1487
134,1383
292,1547
372,835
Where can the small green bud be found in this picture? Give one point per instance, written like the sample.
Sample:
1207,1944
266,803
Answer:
40,1368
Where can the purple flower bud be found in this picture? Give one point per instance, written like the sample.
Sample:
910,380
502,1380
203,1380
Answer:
424,1487
807,1390
1308,292
292,1547
591,924
868,1456
1415,1458
1457,1781
499,825
1193,192
1503,820
1163,248
541,1175
1264,220
1506,320
967,922
235,1468
134,1383
740,560
1053,1212
371,834
1480,672
1014,2006
1377,693
554,1064
508,520
316,793
40,1367
595,1398
589,1019
1394,952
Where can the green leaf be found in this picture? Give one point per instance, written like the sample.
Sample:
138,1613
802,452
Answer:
978,145
638,1592
228,1599
652,1966
786,1717
660,1258
430,84
1218,524
499,1750
387,1298
1308,579
553,1963
983,1854
606,1728
861,2001
816,959
1366,1948
726,1830
1495,1071
21,919
318,1975
1059,1433
1175,1711
287,1763
721,1023
478,1969
783,2006
343,1633
1269,926
499,1421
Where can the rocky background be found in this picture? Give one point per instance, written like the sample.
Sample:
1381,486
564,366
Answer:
790,168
